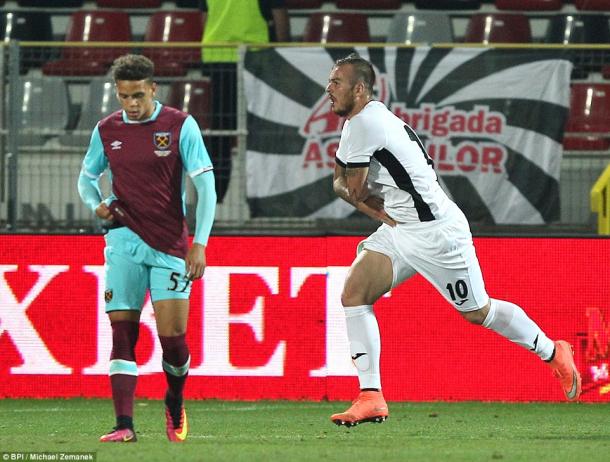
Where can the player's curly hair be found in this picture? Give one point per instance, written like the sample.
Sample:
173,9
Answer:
363,70
133,67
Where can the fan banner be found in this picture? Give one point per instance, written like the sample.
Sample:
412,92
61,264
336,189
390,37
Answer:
491,119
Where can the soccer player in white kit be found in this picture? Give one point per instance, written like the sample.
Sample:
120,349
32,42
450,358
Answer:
383,170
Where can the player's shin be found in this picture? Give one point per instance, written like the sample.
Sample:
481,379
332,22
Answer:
365,344
510,321
123,370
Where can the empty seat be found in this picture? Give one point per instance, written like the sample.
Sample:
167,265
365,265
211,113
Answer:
171,27
587,127
91,26
51,3
448,4
599,5
337,27
498,28
187,3
570,29
368,5
303,4
529,5
24,26
99,101
128,3
44,109
194,97
586,28
420,28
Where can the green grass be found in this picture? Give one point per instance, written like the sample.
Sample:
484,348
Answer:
301,431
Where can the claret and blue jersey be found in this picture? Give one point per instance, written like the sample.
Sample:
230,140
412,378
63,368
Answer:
147,161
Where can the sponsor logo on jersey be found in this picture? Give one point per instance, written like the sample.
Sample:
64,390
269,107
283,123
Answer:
116,144
108,295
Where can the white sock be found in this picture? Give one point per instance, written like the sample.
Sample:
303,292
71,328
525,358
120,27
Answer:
365,344
510,321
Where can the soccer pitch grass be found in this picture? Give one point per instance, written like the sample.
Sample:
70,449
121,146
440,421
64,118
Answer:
301,431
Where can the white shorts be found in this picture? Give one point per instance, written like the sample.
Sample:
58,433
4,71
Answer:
441,251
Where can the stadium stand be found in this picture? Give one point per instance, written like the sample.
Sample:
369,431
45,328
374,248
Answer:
51,3
337,27
448,4
28,26
498,28
420,28
128,3
595,5
99,101
174,26
368,5
44,111
194,97
587,125
303,4
91,26
529,5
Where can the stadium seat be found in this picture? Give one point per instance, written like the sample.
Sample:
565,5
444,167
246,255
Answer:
448,4
24,26
303,4
368,5
91,26
194,97
99,101
418,27
587,126
498,28
171,27
44,109
529,5
337,27
187,3
128,3
592,5
581,29
51,3
586,28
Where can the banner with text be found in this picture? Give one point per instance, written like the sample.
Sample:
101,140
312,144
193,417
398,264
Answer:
266,322
491,119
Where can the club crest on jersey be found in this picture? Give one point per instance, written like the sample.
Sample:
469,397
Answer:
162,141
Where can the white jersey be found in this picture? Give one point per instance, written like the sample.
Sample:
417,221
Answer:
400,170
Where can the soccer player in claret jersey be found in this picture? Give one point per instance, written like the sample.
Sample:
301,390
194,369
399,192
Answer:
383,169
147,148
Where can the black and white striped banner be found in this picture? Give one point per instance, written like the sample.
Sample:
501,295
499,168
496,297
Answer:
492,120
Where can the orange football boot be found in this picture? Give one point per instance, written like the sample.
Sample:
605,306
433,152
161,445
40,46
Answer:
565,370
370,406
176,434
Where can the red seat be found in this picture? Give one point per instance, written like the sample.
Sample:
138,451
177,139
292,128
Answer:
587,127
498,28
529,5
91,26
303,4
172,27
337,27
599,5
128,3
368,5
194,97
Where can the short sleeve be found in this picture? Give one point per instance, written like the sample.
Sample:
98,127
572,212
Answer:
195,157
364,137
95,161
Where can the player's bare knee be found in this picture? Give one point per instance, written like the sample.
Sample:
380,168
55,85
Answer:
476,316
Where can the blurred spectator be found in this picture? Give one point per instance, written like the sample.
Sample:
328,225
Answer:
235,21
